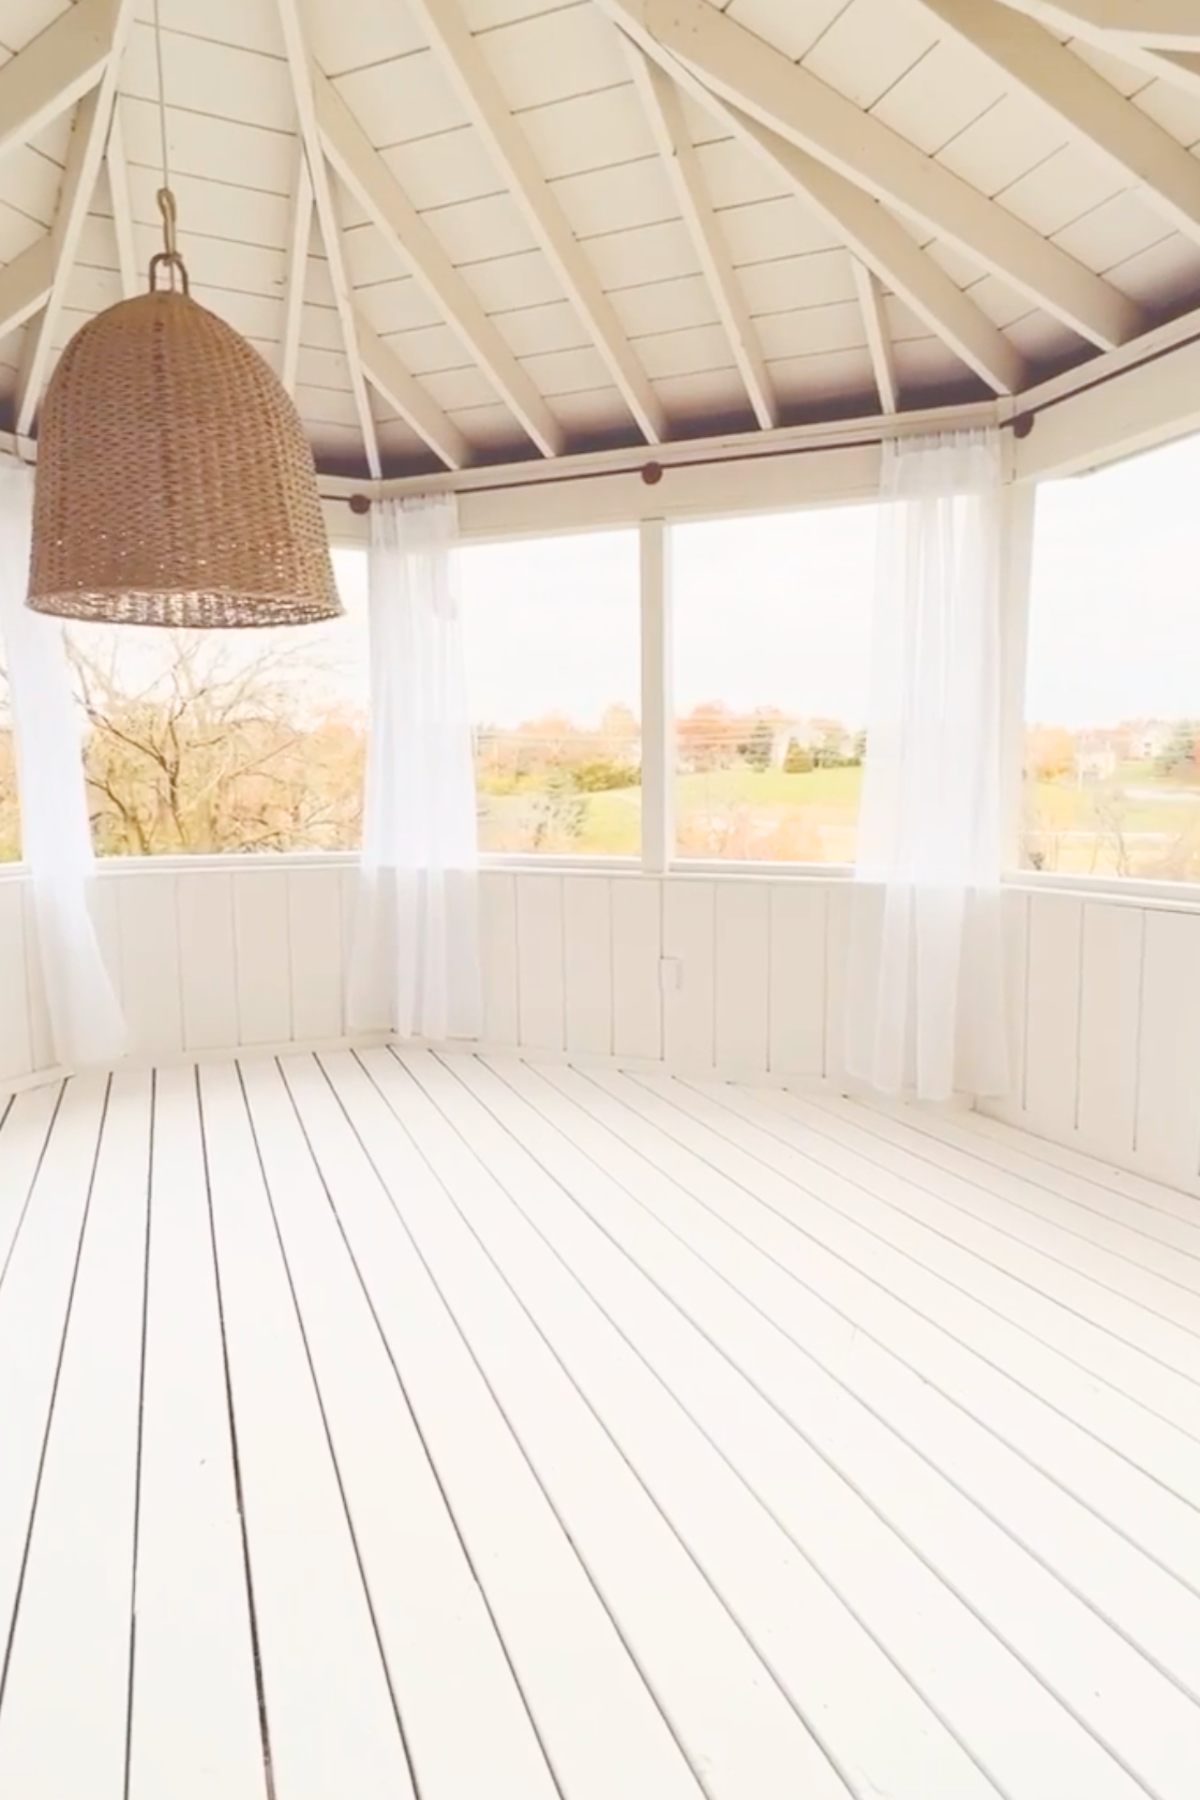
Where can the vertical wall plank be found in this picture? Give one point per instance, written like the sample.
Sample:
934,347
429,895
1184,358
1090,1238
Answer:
498,935
587,957
689,937
40,1034
542,998
799,911
16,1041
150,962
317,962
106,917
743,974
152,980
1052,1019
1109,1027
262,955
1016,904
151,976
837,950
208,960
1168,1114
637,947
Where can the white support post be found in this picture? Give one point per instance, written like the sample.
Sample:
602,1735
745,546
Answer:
1017,522
658,701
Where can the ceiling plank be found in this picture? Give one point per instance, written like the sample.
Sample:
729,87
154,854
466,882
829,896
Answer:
330,224
664,109
299,240
376,189
25,285
404,393
879,341
481,94
117,164
1160,24
880,242
1064,84
743,70
55,69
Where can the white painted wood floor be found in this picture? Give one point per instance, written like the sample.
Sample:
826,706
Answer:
384,1425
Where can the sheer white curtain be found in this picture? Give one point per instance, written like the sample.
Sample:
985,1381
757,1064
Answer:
414,963
925,990
56,844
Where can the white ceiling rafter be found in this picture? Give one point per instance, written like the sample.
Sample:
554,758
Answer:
117,164
56,68
879,341
376,189
664,109
25,285
299,240
1157,24
878,241
779,94
481,94
89,136
1090,106
388,375
329,223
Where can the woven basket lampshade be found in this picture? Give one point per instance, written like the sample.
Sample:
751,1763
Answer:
175,485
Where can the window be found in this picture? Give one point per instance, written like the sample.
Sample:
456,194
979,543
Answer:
553,652
10,832
772,625
226,740
1112,764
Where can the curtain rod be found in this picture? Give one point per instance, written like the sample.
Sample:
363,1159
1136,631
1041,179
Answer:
1021,424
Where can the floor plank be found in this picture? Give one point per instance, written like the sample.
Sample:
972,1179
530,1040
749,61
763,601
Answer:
331,1719
194,1717
396,1424
35,1300
442,1649
553,1619
63,1721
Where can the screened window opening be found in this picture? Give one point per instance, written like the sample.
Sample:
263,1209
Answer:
772,621
226,741
1112,747
552,637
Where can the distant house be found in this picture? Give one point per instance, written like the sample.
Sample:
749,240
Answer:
1148,739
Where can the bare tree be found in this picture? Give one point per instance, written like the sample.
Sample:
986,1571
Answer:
215,751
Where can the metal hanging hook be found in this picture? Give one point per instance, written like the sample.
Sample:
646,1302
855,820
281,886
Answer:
168,257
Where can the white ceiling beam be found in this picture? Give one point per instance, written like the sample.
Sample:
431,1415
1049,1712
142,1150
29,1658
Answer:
1087,104
1160,24
664,109
89,136
25,285
879,338
299,240
117,164
299,65
481,94
376,189
404,393
55,69
743,70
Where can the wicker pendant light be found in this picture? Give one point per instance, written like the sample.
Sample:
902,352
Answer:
175,485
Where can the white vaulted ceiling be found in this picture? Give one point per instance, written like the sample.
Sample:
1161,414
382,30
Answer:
474,231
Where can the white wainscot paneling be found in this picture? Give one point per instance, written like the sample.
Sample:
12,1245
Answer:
1104,1000
742,975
